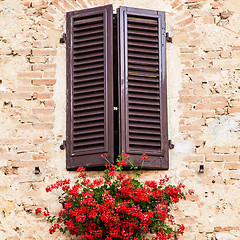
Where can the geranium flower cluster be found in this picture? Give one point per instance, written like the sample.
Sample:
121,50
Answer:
116,206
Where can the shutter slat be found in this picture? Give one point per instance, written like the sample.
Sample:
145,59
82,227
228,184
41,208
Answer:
88,27
142,67
84,51
88,107
97,71
137,43
87,56
87,33
89,43
81,21
81,114
87,38
142,33
143,55
89,66
151,22
143,39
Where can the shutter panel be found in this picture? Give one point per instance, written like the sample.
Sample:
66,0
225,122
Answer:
143,96
89,87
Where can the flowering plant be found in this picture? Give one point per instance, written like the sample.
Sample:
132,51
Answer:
116,206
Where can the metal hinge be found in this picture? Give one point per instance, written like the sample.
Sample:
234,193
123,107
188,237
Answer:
63,38
170,144
63,145
169,37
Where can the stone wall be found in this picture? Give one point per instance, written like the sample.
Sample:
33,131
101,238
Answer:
203,99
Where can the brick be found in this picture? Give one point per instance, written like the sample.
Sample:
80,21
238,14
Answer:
186,173
42,95
38,59
230,228
58,6
210,106
41,67
30,88
40,156
211,55
48,17
189,99
189,128
191,114
208,20
185,22
190,56
225,54
43,126
234,174
29,164
30,74
232,166
235,47
39,4
233,110
24,126
43,111
230,158
44,81
192,198
176,3
67,6
44,52
48,74
27,3
197,158
223,149
46,23
216,4
49,103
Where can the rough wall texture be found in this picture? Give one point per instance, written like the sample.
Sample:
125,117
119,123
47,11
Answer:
203,99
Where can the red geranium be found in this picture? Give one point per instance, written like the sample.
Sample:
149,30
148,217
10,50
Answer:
116,206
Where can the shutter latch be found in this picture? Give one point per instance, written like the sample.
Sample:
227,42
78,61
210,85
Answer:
170,144
115,108
63,145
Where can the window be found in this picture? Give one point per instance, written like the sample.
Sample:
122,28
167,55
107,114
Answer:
116,62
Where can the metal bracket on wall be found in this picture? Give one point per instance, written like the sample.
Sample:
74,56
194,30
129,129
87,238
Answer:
63,38
63,145
169,37
170,144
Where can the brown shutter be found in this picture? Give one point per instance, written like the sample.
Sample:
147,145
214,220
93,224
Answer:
89,86
143,95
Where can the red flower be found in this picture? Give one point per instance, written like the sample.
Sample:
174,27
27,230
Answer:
81,169
181,229
126,156
38,210
46,213
144,156
190,192
122,162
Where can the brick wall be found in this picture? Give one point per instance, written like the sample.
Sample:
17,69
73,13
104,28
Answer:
203,99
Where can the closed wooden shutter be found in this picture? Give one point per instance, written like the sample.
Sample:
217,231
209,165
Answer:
89,86
142,79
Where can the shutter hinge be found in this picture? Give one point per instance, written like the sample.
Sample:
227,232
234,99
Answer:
63,38
63,145
170,144
169,37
